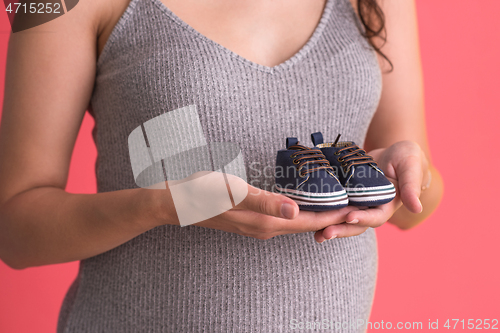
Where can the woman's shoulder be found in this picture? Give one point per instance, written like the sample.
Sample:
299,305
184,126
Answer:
91,20
106,19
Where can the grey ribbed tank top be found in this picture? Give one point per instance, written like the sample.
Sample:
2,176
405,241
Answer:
193,279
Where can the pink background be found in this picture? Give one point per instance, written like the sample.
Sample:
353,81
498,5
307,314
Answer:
446,268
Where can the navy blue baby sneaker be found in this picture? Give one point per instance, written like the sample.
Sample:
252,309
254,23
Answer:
304,175
364,182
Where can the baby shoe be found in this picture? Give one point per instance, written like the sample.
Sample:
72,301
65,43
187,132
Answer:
304,175
364,182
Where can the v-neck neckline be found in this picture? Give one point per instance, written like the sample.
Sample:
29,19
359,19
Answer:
296,57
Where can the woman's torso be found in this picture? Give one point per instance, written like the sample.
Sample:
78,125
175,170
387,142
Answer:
192,279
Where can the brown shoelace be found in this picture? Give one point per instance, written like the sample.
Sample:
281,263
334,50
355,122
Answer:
313,157
354,156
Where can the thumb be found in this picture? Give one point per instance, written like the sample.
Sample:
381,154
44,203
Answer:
409,175
269,203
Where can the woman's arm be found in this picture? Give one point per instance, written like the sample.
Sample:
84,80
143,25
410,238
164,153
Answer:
400,115
49,80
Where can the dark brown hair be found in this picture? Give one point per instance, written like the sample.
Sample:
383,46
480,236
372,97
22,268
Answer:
373,20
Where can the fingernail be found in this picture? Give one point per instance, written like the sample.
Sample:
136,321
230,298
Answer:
334,236
287,210
421,207
353,221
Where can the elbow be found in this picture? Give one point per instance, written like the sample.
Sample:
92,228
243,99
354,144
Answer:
8,253
13,262
10,257
15,265
404,226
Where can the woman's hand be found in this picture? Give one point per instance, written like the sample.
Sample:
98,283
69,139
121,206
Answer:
405,165
260,214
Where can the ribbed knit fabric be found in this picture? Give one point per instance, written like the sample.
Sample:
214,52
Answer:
193,279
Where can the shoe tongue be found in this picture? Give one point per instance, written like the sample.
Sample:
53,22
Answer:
317,138
291,142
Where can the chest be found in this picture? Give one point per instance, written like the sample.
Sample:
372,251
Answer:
265,32
262,31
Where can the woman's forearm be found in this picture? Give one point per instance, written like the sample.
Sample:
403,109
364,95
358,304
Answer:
429,198
47,225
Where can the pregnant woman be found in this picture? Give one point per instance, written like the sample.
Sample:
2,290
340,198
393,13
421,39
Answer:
257,71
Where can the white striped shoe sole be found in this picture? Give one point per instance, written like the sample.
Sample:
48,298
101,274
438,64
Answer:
371,194
302,198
